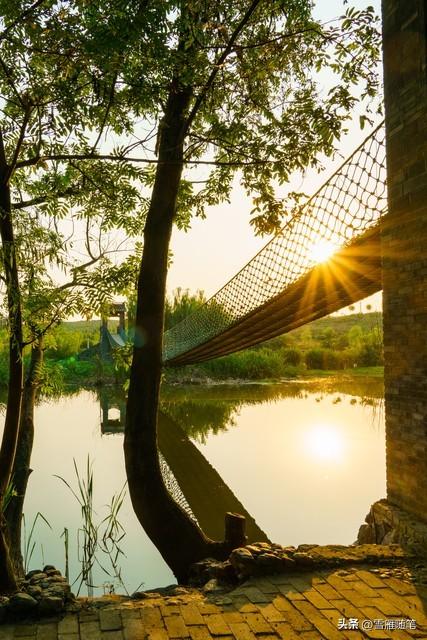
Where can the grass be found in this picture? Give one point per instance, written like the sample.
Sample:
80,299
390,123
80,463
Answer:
93,537
373,372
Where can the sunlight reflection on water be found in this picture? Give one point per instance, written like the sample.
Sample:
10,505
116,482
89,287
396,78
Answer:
304,465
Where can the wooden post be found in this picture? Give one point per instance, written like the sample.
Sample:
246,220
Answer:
235,530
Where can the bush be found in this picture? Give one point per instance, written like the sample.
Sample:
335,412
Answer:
254,364
64,344
314,359
370,355
292,357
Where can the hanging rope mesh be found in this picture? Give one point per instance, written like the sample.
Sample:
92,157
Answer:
173,487
347,205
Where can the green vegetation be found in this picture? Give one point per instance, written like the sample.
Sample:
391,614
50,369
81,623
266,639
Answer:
335,343
352,342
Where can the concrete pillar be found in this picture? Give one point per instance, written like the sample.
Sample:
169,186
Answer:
404,252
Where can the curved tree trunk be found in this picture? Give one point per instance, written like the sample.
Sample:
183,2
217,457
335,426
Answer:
13,409
21,468
178,538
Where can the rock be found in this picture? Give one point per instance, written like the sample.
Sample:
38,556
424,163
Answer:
50,604
287,562
243,561
35,591
226,572
32,573
49,567
143,595
180,591
303,548
202,571
365,535
303,559
57,579
22,603
268,563
58,590
388,538
213,586
262,545
38,577
253,549
289,550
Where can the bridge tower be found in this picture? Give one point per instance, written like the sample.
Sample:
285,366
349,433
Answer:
404,256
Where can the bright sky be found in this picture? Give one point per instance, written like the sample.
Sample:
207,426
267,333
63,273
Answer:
214,249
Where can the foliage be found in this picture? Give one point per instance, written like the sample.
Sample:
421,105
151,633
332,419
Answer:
29,542
93,537
292,356
182,304
259,105
7,497
356,341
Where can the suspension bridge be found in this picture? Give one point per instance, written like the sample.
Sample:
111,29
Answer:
326,256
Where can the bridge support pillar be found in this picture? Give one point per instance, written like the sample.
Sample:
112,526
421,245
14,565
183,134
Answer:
404,255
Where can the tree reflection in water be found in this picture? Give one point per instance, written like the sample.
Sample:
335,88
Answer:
208,409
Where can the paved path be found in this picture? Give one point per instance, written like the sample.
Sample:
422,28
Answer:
332,605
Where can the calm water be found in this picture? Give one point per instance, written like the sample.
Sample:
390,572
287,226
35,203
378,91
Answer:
303,461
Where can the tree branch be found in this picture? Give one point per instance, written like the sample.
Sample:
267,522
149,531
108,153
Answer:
107,111
21,137
90,156
3,159
237,31
11,82
19,19
24,204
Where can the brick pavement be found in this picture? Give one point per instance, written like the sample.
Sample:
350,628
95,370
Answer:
289,606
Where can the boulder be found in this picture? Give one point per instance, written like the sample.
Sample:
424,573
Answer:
365,535
38,577
22,603
243,561
50,605
32,573
268,563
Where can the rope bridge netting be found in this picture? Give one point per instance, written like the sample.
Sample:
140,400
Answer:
347,206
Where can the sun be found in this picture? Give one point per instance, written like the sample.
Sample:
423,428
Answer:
322,250
325,443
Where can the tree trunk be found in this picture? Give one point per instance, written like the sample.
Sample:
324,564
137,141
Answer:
13,409
178,538
21,468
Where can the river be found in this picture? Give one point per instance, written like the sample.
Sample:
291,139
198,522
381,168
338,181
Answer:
303,460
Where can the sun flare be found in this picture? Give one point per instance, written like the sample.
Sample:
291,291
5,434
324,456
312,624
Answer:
322,250
326,443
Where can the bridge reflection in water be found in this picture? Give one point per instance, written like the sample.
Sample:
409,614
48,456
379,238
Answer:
192,481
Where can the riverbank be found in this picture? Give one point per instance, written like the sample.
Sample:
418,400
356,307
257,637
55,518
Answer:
188,376
65,377
360,601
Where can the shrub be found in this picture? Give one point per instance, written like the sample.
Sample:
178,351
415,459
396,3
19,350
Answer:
292,357
314,359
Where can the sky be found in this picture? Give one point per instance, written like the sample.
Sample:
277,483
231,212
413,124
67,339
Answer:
214,249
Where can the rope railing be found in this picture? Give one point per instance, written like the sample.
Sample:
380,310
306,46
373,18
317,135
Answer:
349,204
173,487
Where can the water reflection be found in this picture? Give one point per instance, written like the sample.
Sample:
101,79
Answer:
203,410
324,442
112,403
208,496
195,485
299,464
